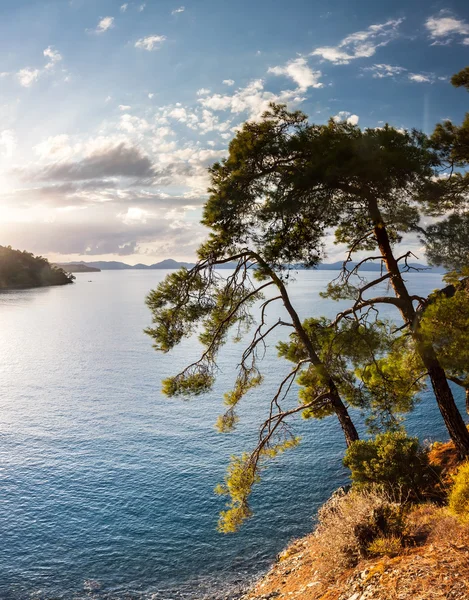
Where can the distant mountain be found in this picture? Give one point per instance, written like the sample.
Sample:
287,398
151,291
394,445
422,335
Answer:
170,264
374,266
77,268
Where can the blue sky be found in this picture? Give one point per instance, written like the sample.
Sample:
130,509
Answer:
111,111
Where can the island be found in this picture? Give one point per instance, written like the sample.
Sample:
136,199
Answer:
21,270
77,268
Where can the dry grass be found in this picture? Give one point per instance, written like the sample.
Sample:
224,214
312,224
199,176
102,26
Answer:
434,567
349,523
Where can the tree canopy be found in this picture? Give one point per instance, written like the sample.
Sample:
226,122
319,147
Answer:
284,187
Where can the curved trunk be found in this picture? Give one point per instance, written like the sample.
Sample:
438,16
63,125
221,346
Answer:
348,428
346,423
467,400
443,394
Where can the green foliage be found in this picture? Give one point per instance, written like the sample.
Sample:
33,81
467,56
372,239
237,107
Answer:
447,242
178,304
373,370
459,494
392,384
24,270
445,325
392,461
242,473
461,79
286,182
385,546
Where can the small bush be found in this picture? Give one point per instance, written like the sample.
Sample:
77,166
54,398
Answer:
394,462
459,494
348,524
385,546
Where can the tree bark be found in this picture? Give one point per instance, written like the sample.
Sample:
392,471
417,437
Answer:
443,394
346,423
349,430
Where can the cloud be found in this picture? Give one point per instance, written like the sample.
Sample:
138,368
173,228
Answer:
228,81
151,42
380,71
300,72
54,147
53,56
7,142
203,92
27,77
124,7
142,7
253,100
124,107
421,78
344,115
134,215
176,11
121,160
443,28
104,25
362,44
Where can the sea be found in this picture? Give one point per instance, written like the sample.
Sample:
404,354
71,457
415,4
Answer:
107,486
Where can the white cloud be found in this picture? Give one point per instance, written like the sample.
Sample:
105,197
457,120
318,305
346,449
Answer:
53,56
104,25
253,100
228,81
361,44
142,7
420,78
150,95
151,42
134,215
124,107
27,77
203,92
8,142
344,115
298,70
124,7
442,28
176,11
133,124
54,147
381,71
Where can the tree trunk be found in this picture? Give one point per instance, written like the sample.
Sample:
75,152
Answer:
443,394
467,400
348,428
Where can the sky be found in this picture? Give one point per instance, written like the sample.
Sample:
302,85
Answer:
111,111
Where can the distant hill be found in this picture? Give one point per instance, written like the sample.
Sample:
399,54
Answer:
21,269
169,264
77,268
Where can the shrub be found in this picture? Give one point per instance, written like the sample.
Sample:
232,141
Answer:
348,524
459,494
393,461
385,546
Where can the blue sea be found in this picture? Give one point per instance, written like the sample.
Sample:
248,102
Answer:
106,486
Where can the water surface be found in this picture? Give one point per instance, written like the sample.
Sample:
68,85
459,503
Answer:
106,486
